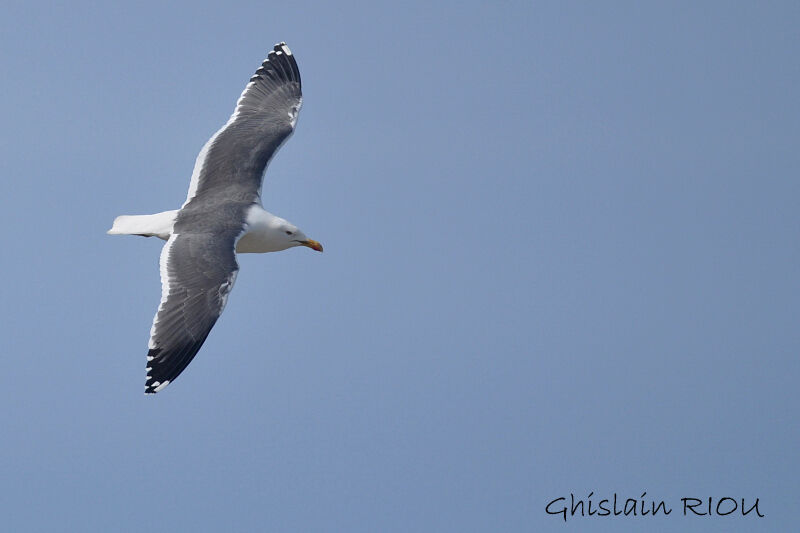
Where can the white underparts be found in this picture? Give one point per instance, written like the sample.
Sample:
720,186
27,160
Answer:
264,232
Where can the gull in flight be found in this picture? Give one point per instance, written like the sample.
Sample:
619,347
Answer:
222,216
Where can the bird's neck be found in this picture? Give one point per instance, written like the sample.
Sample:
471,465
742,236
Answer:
263,232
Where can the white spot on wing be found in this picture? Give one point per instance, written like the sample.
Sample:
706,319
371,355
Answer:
159,387
225,289
294,112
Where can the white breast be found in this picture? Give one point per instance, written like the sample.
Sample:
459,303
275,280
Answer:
263,233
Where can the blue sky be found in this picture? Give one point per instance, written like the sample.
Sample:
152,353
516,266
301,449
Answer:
561,256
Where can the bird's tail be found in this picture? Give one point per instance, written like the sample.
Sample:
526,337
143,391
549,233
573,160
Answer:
158,225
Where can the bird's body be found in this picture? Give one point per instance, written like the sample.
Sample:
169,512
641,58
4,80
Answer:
222,216
265,232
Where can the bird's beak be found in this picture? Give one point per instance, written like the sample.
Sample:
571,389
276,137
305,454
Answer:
314,245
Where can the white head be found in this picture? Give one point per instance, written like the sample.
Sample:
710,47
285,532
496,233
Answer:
268,233
294,236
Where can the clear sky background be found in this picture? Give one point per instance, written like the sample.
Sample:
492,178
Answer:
561,256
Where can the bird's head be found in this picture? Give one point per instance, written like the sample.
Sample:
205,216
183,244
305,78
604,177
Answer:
295,237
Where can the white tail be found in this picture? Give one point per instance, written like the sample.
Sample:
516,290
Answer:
158,225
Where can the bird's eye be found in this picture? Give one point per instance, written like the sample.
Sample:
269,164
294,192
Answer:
288,232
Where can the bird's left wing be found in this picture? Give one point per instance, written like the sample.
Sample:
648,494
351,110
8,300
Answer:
197,273
265,116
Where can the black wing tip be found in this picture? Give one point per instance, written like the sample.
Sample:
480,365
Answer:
164,367
152,384
155,386
280,65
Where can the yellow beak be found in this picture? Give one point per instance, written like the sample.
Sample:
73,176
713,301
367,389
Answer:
314,245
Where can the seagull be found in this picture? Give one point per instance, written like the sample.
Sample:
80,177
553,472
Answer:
222,216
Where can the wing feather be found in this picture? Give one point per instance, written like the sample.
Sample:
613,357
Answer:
265,116
197,273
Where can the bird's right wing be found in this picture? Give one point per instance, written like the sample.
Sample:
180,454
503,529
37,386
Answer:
197,273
